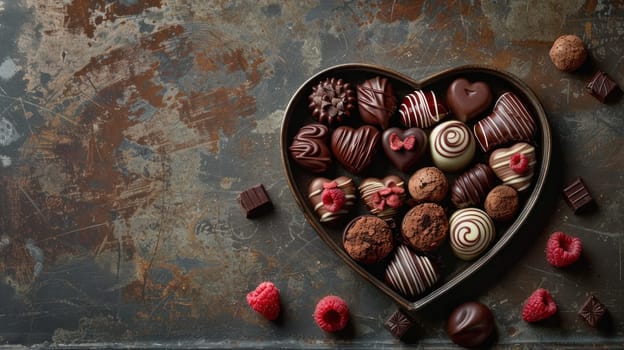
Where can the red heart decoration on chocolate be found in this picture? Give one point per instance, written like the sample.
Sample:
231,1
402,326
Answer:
404,148
499,162
383,197
355,148
320,187
468,100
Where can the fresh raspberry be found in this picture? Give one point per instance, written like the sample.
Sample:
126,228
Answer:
333,199
265,300
519,163
331,314
540,305
563,250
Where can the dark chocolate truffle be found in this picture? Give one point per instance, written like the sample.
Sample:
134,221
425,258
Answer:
467,100
309,148
355,148
368,239
502,203
470,324
376,101
471,187
428,185
509,121
425,227
568,53
332,101
410,274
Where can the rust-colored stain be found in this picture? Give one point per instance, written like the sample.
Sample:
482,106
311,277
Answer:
392,11
79,13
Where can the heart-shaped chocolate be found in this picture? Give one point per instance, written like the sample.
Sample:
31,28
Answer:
376,101
404,148
332,199
383,197
349,154
467,100
355,148
510,121
309,148
500,162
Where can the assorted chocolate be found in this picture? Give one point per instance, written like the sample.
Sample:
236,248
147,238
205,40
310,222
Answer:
602,87
456,191
592,311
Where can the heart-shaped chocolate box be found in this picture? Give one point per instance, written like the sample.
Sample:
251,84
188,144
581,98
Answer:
453,271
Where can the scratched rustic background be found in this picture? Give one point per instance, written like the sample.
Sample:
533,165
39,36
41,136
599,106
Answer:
128,127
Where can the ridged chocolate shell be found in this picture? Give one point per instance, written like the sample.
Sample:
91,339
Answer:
471,187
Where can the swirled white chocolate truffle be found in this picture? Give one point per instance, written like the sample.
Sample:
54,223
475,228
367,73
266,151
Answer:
471,233
410,274
452,146
421,109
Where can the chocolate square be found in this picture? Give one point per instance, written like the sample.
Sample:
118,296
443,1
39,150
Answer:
592,311
602,87
398,324
577,196
255,201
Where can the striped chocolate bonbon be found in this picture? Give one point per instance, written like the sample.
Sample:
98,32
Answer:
499,162
409,273
471,233
421,109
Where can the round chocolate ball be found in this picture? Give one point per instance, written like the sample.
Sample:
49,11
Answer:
502,203
428,185
368,239
568,53
470,324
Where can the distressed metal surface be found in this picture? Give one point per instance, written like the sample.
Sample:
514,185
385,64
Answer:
128,127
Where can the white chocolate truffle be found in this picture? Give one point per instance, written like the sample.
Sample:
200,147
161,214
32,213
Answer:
471,232
452,146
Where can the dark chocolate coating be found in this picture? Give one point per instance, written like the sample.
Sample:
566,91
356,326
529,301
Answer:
376,101
255,201
309,148
398,324
577,196
592,311
510,121
602,87
404,159
332,101
470,324
471,187
467,100
355,148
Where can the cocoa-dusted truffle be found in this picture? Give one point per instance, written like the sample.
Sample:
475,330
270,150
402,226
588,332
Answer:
502,203
332,101
368,239
376,101
428,185
568,53
425,227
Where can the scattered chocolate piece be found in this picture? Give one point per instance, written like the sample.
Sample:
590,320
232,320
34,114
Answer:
470,324
602,87
398,324
255,201
592,311
577,196
568,53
